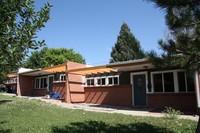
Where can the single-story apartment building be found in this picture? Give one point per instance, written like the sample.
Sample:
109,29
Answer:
135,83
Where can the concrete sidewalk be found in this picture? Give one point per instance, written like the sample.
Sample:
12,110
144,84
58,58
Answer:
107,109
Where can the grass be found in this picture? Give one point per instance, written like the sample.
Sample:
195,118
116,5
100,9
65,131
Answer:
19,115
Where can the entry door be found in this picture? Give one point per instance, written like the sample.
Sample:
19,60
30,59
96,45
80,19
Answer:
139,89
50,84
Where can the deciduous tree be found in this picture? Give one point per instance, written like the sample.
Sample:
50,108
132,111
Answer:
19,24
52,56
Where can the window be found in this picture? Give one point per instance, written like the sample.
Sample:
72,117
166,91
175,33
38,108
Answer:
41,82
113,80
181,81
190,82
169,82
102,81
37,83
59,77
157,83
163,82
12,80
62,77
172,81
90,82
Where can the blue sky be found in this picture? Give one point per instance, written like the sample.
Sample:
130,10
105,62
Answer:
91,27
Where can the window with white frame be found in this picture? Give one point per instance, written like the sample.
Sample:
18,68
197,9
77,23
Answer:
113,80
90,82
172,81
62,77
102,81
12,80
59,77
40,82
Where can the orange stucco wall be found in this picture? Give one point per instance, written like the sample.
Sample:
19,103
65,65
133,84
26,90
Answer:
74,84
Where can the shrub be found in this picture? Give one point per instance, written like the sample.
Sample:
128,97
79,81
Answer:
171,113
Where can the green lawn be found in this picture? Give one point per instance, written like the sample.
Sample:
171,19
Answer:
32,116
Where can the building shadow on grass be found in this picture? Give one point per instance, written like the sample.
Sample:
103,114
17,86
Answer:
4,101
101,127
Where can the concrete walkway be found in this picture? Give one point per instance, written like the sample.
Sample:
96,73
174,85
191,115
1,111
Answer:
108,109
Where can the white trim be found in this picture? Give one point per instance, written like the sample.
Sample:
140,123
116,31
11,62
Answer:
176,87
60,77
101,77
146,79
40,82
114,76
86,84
175,76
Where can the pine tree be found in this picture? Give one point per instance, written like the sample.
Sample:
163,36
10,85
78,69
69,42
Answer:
183,48
127,46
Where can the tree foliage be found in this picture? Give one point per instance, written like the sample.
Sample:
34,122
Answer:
127,46
52,56
19,24
182,48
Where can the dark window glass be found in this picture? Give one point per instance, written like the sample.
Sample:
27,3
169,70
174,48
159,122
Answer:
45,82
103,81
169,82
157,83
88,82
37,83
92,82
190,82
181,82
115,80
41,83
110,81
99,81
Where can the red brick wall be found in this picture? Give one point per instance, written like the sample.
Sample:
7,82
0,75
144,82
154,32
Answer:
120,95
60,88
25,86
182,101
39,92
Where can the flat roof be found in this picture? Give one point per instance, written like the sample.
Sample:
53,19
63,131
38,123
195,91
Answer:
108,68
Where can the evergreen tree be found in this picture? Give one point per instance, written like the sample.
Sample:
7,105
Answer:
183,48
127,46
19,24
52,56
